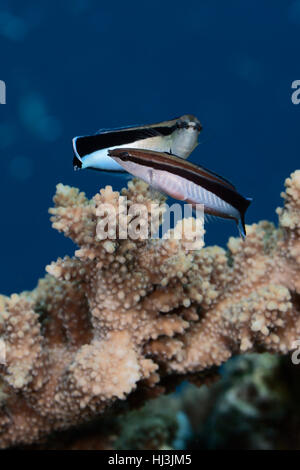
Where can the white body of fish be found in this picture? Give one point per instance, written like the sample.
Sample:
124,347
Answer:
182,189
181,143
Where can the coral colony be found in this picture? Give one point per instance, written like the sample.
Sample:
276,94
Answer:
126,317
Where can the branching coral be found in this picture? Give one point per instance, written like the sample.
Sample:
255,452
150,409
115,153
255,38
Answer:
123,314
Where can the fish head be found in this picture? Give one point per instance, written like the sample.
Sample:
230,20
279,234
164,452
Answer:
185,136
126,160
189,122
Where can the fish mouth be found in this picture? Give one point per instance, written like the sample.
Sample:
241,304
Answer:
196,126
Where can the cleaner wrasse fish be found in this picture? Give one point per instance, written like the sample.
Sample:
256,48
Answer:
185,181
178,136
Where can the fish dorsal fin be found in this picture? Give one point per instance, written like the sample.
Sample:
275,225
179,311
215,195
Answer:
149,131
136,127
224,180
116,129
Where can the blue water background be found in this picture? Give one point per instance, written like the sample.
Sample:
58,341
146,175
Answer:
72,67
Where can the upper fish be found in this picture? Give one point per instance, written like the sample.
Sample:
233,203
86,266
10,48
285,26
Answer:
178,136
185,181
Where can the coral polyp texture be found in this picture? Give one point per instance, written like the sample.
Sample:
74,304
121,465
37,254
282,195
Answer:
124,315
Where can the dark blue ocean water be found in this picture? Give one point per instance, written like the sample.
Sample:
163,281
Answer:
74,66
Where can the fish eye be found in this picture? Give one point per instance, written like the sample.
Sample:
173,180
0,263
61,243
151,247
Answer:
182,125
189,124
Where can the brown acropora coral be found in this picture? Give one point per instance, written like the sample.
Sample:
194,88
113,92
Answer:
122,315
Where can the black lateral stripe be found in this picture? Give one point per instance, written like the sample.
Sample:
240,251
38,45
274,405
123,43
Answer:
171,159
89,144
229,195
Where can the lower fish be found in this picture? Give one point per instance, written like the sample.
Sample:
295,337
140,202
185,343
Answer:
185,181
178,136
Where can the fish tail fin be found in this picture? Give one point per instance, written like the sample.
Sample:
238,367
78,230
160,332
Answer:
241,227
77,162
241,220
